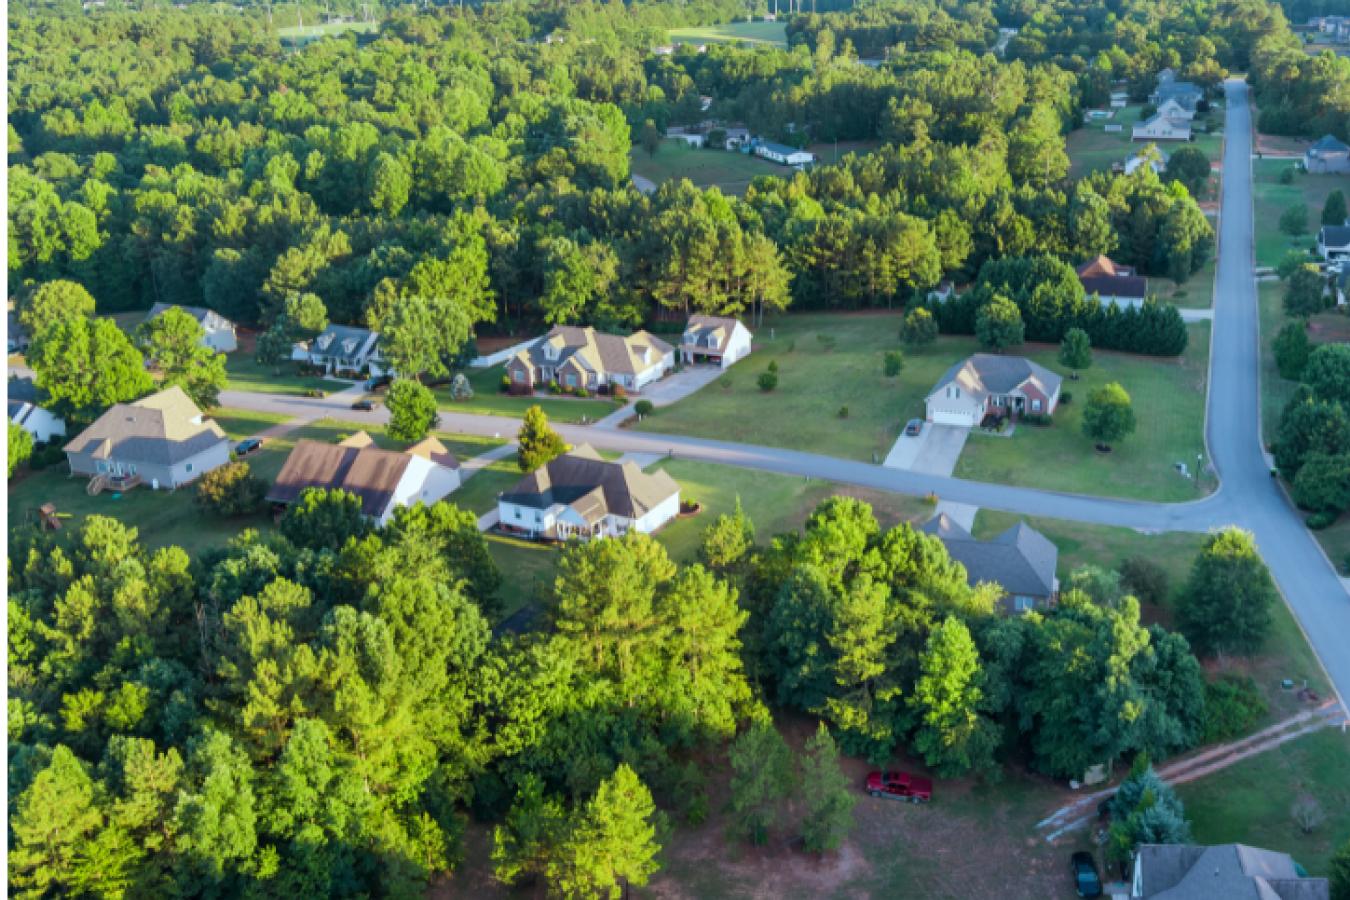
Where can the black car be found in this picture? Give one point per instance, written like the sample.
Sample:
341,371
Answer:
364,405
1085,877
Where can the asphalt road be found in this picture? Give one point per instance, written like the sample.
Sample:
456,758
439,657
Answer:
1247,495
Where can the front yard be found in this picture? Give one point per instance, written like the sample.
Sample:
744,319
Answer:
1169,404
1270,199
489,399
247,374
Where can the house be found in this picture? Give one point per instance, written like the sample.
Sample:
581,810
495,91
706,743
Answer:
581,496
577,357
25,411
1110,281
1021,560
1160,128
219,330
1221,872
714,339
1157,161
1328,155
736,137
383,479
1333,241
163,439
783,154
344,349
986,384
1186,94
942,293
1171,109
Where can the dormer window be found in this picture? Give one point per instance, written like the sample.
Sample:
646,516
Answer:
324,340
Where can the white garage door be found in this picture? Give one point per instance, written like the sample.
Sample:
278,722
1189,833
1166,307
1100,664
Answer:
952,417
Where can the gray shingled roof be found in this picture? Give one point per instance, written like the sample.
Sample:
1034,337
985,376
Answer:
1021,560
996,374
197,312
594,350
1228,871
575,477
1334,235
1329,143
164,428
346,340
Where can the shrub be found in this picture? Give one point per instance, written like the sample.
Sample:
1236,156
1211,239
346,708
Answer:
554,387
20,447
618,391
920,328
1294,220
1292,349
1287,175
1065,398
583,393
1039,420
843,412
643,408
231,490
506,383
893,363
1233,705
1145,579
773,365
767,381
1320,520
46,455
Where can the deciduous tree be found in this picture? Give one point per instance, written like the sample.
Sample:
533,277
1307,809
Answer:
87,365
1075,351
412,410
173,344
953,736
1109,415
1226,605
998,324
537,442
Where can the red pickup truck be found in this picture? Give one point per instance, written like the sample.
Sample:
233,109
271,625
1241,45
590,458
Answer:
900,786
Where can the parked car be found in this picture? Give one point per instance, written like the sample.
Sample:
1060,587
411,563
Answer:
245,447
378,384
914,427
900,786
364,405
1085,877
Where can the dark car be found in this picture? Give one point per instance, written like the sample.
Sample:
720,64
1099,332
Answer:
914,427
1085,877
244,448
365,405
900,786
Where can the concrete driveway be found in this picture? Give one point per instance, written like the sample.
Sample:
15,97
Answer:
668,390
933,452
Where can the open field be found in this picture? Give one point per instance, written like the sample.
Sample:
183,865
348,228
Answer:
1270,199
1093,149
830,152
488,399
247,374
304,34
1169,404
728,170
773,34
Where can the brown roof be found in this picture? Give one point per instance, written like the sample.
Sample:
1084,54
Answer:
1134,286
164,428
581,478
358,440
1103,265
356,465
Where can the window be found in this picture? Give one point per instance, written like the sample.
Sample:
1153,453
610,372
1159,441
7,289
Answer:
101,466
571,380
189,467
517,513
1035,406
519,375
1022,604
538,518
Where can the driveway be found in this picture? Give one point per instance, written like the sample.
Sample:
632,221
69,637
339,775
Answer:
668,390
933,452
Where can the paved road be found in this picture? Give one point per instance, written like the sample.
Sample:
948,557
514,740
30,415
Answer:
1248,496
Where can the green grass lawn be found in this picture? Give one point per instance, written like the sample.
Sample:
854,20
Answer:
1169,404
1093,149
1270,199
247,374
815,380
303,34
770,33
1197,292
729,170
488,399
1250,802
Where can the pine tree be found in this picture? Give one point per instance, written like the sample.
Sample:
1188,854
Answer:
538,443
826,794
761,779
727,542
611,841
531,833
952,735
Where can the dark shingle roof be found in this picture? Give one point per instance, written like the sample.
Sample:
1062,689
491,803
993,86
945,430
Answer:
1021,560
1228,871
1329,143
1115,285
990,373
1335,235
366,471
592,486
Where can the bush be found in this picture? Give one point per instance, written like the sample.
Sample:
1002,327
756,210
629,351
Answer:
1320,520
231,490
1038,420
583,393
1145,579
843,412
506,384
767,381
1233,705
46,455
773,365
554,387
892,364
920,328
1065,398
1292,349
1287,175
643,408
618,391
1294,220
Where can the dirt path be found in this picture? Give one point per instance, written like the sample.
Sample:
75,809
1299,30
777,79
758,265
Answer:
1083,810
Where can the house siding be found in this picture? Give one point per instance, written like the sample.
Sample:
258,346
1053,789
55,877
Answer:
166,476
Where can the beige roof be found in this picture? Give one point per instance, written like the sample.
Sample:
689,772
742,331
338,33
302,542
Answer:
594,351
699,327
581,479
358,440
432,449
164,428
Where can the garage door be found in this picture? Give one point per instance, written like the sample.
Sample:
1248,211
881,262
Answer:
952,417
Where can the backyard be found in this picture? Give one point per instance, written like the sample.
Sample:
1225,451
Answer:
773,34
729,170
1094,149
1270,199
1169,402
489,399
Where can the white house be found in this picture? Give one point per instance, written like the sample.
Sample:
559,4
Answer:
1333,241
40,423
1161,128
344,349
219,330
715,339
1171,109
1157,161
384,480
163,440
1328,155
580,496
577,357
987,384
783,154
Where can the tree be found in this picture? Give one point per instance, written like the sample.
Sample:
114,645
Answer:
727,542
1328,373
1309,426
20,445
1145,579
1145,810
388,185
893,363
531,833
1303,293
321,519
173,344
1075,351
767,380
1190,166
53,302
1323,483
412,410
952,735
87,365
55,825
537,443
920,328
305,316
761,779
1291,350
998,324
231,490
1294,220
1225,607
1333,210
1291,262
1340,873
826,794
1109,415
610,843
650,137
1036,152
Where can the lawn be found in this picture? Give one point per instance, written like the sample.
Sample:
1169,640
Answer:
830,152
247,374
772,34
1169,404
1270,199
488,399
826,362
729,170
1197,292
300,35
1093,149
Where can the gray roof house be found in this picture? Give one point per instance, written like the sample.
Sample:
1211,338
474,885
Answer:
16,337
1021,560
219,330
1185,93
344,348
1333,241
1222,872
163,440
26,411
1327,156
990,384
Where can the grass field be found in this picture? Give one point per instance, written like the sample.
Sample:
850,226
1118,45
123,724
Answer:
727,170
772,34
1270,199
1093,149
304,34
1196,293
488,399
247,374
1169,404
